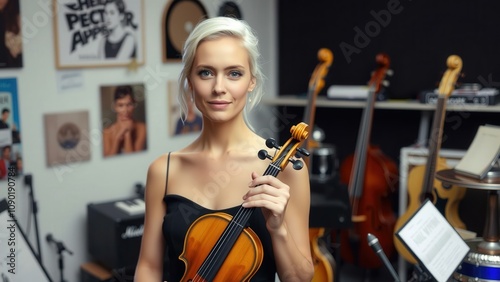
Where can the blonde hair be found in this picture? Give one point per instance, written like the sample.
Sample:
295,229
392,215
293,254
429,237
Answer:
215,28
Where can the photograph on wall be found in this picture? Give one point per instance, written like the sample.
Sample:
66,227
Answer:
67,137
98,33
123,113
193,122
10,129
179,19
11,41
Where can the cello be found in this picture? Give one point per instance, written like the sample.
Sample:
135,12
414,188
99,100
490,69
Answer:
422,183
371,177
221,247
324,263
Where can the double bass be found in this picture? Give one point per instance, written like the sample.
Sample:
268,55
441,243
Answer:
221,247
371,177
324,263
422,183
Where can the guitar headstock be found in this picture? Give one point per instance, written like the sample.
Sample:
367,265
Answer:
378,76
450,77
288,151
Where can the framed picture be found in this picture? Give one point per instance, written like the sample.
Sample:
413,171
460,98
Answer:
10,129
193,122
67,137
98,33
123,119
11,43
179,19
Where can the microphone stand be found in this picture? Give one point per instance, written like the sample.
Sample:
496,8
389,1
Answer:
60,249
377,248
28,180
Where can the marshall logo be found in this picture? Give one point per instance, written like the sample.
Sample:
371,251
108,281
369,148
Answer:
133,231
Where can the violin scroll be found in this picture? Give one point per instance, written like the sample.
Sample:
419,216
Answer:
447,84
290,148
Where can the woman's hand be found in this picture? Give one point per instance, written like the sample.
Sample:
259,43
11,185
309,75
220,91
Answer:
272,195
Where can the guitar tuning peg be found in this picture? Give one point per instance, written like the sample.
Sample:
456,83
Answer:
389,72
386,83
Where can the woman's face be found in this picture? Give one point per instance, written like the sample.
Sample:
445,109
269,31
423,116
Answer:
221,78
124,108
112,16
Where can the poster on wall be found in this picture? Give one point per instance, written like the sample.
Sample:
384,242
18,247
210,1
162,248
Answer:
123,113
11,41
10,129
67,137
193,122
98,33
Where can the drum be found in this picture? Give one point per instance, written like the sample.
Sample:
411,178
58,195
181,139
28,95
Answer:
477,266
324,163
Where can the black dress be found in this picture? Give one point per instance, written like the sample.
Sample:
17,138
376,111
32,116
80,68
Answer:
182,212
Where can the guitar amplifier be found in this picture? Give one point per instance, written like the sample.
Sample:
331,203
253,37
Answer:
114,232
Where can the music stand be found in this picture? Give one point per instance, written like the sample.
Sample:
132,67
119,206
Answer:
434,243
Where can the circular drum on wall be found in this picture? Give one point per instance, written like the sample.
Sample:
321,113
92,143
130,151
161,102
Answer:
180,17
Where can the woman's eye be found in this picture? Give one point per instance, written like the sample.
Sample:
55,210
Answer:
235,74
204,73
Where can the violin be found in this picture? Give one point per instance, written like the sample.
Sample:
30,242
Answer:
221,247
324,263
422,184
371,177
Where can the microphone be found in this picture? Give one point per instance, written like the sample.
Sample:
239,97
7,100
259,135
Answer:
377,248
60,246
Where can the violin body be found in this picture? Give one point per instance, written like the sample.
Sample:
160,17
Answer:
324,263
446,200
241,263
376,207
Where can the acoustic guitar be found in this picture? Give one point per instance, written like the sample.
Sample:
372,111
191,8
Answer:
422,183
324,263
221,247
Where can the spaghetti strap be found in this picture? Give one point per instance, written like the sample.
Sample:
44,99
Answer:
166,181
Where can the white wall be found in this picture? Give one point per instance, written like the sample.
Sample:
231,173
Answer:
63,192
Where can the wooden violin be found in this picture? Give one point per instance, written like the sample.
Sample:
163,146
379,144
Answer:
324,263
371,177
220,247
422,183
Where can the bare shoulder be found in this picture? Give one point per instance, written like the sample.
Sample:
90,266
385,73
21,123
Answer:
157,172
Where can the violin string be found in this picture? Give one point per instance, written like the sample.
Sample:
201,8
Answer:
231,229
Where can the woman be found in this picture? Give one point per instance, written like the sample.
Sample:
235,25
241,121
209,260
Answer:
220,170
118,43
125,135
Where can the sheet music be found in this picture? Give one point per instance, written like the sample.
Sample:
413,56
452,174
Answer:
482,153
434,242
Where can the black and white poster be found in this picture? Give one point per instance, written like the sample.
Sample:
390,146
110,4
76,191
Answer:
98,33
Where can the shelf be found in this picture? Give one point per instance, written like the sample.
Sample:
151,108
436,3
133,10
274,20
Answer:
323,102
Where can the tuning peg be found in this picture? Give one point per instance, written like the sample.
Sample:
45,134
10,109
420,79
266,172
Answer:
263,154
302,152
389,72
297,164
386,83
271,143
